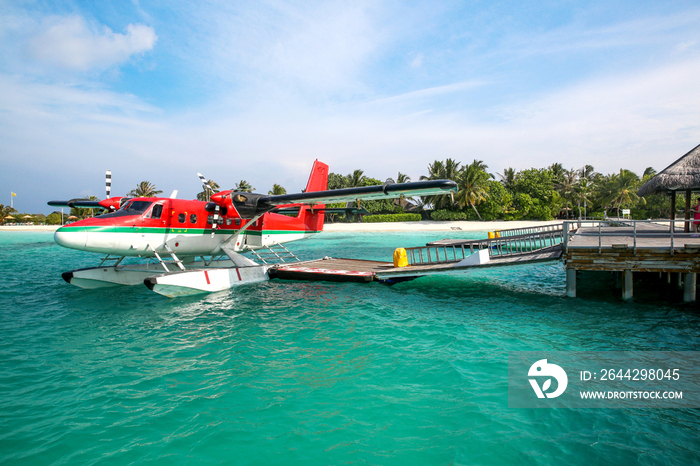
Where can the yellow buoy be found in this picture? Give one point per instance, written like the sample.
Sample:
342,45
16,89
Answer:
498,234
400,258
492,235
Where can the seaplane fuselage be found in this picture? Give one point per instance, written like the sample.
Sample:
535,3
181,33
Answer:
146,225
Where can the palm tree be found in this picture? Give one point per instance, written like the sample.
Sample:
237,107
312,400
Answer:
508,178
277,190
582,190
208,188
447,170
565,186
622,189
402,178
589,172
649,172
435,171
473,189
6,210
356,179
244,186
144,189
557,170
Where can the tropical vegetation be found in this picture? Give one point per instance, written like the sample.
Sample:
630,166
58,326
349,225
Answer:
208,188
144,189
529,194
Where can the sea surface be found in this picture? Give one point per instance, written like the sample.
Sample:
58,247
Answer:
307,373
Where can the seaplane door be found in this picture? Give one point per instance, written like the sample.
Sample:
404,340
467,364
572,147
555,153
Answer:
152,226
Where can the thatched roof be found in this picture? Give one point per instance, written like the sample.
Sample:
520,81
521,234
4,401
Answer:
681,175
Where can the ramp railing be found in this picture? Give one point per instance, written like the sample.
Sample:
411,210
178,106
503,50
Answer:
448,251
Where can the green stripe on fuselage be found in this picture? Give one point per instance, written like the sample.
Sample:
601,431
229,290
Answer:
180,231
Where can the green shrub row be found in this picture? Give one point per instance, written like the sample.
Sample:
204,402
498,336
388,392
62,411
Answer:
391,218
443,215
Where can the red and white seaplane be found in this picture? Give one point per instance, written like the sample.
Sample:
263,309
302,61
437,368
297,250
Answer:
204,240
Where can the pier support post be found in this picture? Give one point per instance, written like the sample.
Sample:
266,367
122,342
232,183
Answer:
627,285
571,282
680,280
689,288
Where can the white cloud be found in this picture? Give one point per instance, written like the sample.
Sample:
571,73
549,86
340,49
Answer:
69,43
417,61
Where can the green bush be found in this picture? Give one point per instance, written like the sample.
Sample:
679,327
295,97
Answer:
447,215
391,218
53,219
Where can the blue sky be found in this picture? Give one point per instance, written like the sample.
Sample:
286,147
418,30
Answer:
159,91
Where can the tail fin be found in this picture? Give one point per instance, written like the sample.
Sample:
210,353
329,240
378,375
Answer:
318,181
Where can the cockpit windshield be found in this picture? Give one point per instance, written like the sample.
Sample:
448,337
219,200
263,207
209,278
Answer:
136,207
129,209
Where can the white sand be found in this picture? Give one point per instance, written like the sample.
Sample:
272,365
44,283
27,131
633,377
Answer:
388,226
437,226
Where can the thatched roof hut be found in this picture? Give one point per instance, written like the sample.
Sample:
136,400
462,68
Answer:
681,175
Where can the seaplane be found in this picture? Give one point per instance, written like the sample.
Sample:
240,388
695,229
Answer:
189,246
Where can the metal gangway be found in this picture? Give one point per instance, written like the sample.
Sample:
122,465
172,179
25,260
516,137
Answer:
275,252
504,243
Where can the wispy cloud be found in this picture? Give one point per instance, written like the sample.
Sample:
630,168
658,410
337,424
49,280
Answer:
70,43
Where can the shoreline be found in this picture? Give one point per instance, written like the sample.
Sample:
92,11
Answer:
431,225
424,225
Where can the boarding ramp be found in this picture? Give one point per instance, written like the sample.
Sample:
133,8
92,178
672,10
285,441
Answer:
502,244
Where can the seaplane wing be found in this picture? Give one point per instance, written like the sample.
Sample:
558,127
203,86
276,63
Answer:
387,191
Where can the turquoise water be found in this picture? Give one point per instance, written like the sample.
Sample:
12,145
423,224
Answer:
319,373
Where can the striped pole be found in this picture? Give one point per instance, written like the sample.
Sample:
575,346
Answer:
108,182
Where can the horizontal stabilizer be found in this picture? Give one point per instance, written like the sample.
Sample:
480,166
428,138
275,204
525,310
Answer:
387,191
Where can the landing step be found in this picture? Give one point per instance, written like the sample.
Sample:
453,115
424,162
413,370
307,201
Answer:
334,270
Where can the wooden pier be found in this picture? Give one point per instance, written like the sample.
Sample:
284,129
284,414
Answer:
624,246
628,247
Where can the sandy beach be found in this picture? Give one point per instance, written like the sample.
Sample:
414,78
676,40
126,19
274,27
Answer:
436,226
388,226
29,227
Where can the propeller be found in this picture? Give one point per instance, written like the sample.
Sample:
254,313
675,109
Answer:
108,183
215,216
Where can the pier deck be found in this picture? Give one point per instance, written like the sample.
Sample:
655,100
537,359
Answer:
631,246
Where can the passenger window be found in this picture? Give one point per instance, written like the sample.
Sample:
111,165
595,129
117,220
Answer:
193,218
157,211
181,218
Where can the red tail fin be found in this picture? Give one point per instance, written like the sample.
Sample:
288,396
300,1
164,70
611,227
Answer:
318,181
